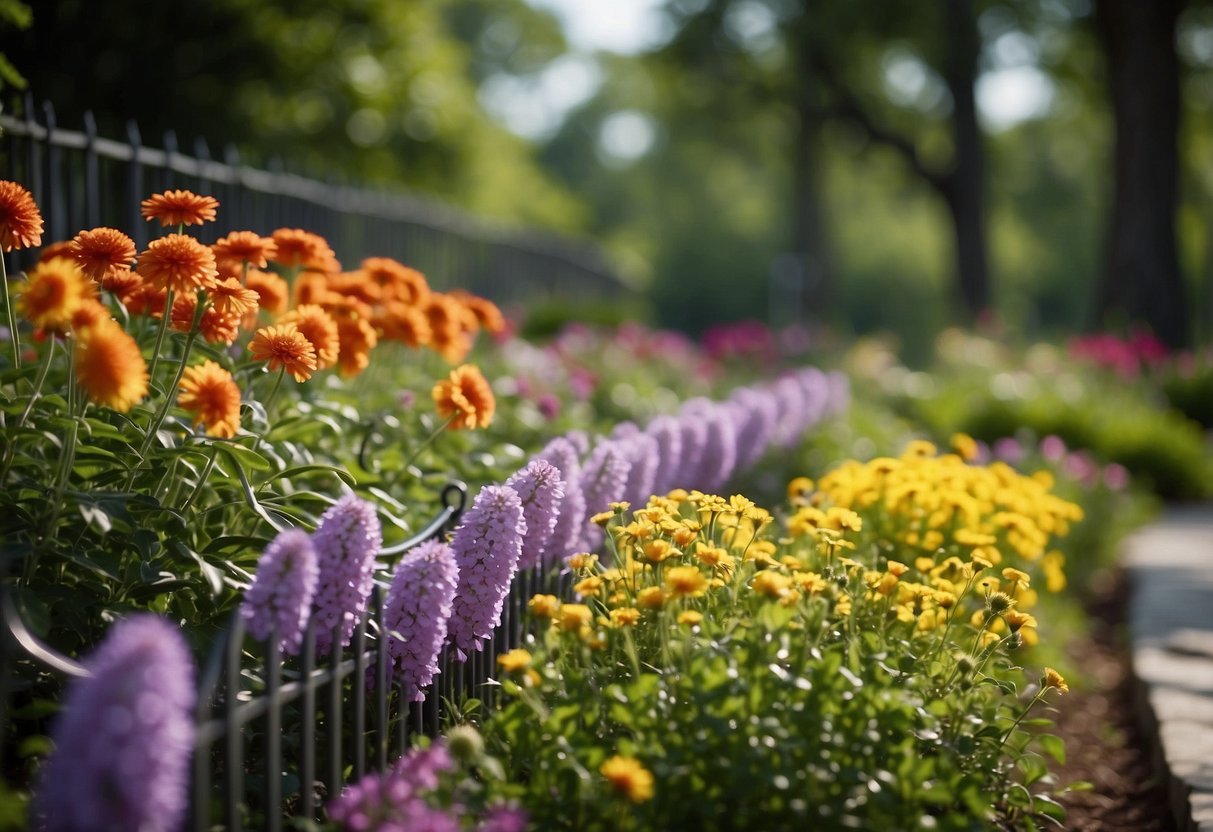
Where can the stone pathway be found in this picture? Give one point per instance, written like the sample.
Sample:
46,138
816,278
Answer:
1170,570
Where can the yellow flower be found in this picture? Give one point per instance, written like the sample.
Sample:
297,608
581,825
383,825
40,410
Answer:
624,617
602,518
544,606
650,598
685,582
1053,679
771,584
965,446
1016,620
628,777
515,660
581,560
897,568
799,489
690,617
574,617
658,550
110,366
1016,576
53,292
588,586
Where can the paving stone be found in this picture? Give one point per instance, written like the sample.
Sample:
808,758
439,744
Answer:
1177,704
1202,810
1156,666
1191,642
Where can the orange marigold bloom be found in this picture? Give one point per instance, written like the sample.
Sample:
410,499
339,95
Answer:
232,299
355,285
487,313
240,247
210,395
284,346
358,338
215,327
318,327
395,280
178,262
272,291
452,346
52,293
20,220
179,208
296,247
143,299
63,248
102,253
110,366
465,398
407,324
92,312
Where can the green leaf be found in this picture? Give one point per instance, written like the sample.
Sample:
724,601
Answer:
245,458
1054,746
300,470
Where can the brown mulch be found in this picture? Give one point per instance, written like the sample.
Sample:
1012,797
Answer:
1104,743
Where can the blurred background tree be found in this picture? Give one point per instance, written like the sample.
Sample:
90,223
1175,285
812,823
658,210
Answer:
1035,165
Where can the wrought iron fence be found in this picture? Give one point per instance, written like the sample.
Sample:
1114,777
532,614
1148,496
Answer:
277,736
82,180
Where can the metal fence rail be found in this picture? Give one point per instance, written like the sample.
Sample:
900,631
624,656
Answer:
81,180
277,735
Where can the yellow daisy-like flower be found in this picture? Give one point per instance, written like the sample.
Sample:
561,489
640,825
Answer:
690,617
514,660
1053,679
685,582
465,398
210,395
624,617
53,292
110,366
628,777
572,617
544,606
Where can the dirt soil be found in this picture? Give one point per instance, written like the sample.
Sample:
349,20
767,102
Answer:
1104,743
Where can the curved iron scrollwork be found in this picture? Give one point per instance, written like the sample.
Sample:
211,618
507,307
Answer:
454,501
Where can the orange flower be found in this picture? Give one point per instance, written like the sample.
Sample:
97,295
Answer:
355,285
144,299
240,247
465,398
272,291
63,248
313,287
180,208
102,253
52,294
178,262
285,346
395,280
215,327
407,324
318,327
487,313
20,220
447,318
358,338
233,300
210,395
296,247
91,312
110,367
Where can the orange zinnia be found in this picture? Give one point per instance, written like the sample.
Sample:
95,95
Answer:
358,338
240,247
487,313
232,299
104,254
296,247
465,398
52,293
63,248
396,281
180,208
284,346
215,327
210,395
406,324
110,367
178,262
91,312
144,299
272,291
20,220
318,327
355,285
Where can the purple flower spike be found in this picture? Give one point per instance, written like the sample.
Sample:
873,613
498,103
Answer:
694,435
566,534
282,592
644,455
667,431
603,480
503,818
718,456
347,540
395,800
124,737
754,415
418,607
487,545
541,489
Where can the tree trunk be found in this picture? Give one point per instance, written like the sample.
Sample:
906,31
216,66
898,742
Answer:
964,186
1141,278
810,236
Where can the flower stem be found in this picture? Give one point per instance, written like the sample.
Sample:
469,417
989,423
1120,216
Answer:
164,321
34,395
269,403
206,472
12,320
425,443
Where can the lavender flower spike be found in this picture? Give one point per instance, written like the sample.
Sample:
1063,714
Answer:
603,479
487,545
416,613
281,595
347,540
124,737
567,533
667,431
541,488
